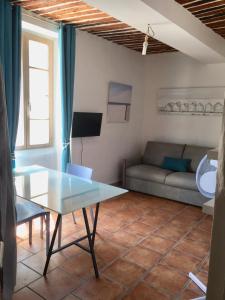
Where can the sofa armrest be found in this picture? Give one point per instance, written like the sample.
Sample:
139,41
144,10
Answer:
126,164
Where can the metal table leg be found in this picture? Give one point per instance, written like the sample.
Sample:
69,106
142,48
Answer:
52,244
95,223
91,238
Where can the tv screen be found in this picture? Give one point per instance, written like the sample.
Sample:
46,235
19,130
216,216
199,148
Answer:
86,124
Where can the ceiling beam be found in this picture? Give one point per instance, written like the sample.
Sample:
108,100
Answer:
172,23
66,9
41,5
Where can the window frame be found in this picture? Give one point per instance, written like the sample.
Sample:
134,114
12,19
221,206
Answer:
26,37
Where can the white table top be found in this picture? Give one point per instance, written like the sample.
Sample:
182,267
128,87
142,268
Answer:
60,192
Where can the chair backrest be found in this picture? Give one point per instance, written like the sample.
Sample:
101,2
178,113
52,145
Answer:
26,210
79,171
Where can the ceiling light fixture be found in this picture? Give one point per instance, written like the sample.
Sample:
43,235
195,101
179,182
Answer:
148,34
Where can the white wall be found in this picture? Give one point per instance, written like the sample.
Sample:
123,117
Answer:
177,70
98,62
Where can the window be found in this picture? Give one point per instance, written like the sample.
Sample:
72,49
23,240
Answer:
35,127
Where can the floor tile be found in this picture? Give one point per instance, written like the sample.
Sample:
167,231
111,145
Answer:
22,231
188,294
153,221
144,292
24,276
80,265
158,244
129,214
56,285
37,244
167,279
181,261
147,204
206,224
171,232
143,257
160,213
125,238
22,253
18,239
134,230
114,205
124,272
71,297
205,265
26,294
74,236
70,251
193,247
173,206
110,223
99,289
139,228
188,217
200,235
69,229
106,251
203,277
37,261
184,222
193,211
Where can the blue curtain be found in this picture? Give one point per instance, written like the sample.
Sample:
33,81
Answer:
10,59
67,40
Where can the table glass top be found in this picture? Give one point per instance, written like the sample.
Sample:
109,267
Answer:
60,192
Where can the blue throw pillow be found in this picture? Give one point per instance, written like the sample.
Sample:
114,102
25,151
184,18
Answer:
176,164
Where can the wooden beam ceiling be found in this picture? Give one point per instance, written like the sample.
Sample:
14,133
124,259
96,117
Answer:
92,20
209,12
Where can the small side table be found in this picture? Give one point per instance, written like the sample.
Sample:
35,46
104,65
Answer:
208,207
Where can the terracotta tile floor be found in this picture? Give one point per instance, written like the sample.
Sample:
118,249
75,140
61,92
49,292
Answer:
145,248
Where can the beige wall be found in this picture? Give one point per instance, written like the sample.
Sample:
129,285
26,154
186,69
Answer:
172,71
98,62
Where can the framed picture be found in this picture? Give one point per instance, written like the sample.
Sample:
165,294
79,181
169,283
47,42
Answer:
119,102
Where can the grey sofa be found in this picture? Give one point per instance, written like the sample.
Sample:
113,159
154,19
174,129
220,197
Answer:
147,176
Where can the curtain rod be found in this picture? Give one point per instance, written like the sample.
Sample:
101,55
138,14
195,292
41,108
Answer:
42,19
39,18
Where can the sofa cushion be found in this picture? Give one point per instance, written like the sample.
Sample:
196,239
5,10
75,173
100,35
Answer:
176,164
156,151
183,180
195,153
148,172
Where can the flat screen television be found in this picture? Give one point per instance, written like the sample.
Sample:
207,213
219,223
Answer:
86,124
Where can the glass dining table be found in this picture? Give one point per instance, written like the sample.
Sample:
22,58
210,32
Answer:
64,193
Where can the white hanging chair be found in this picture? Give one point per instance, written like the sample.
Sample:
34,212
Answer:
206,177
